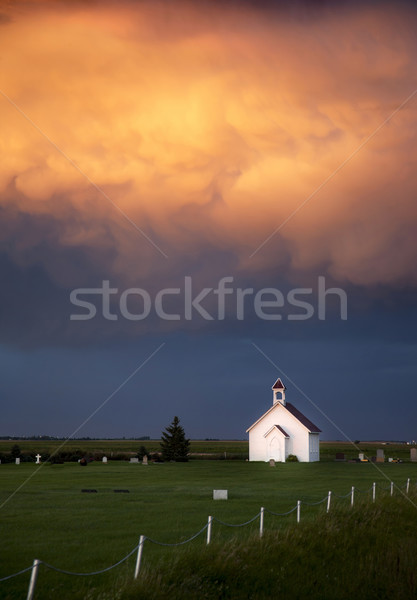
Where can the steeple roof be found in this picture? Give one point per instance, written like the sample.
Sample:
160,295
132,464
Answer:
278,385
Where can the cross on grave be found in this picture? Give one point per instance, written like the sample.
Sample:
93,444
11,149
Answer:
38,459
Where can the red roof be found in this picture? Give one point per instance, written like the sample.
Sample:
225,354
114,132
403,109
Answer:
278,385
299,415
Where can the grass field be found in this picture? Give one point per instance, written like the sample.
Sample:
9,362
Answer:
50,519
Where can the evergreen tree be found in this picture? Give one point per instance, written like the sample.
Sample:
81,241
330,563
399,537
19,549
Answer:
174,445
15,451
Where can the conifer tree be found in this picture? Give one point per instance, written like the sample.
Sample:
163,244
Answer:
174,444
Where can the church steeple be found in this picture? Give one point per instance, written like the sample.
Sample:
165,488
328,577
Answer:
278,390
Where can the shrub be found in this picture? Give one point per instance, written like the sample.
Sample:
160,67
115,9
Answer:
292,458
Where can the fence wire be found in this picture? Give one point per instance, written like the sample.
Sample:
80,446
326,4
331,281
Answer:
16,574
314,503
48,566
284,514
177,543
344,496
236,524
363,491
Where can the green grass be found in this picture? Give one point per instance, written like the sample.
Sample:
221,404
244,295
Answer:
50,519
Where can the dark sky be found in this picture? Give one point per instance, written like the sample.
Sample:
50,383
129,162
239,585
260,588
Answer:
158,148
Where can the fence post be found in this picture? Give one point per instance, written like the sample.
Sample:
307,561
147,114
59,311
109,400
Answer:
298,510
209,529
352,495
139,556
329,497
373,491
33,577
408,485
261,522
392,488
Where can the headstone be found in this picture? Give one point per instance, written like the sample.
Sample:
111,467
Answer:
413,454
361,456
340,456
271,462
380,456
38,459
390,460
219,494
104,459
145,460
134,460
18,461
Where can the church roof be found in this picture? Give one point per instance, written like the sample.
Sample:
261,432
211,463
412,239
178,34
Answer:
294,412
303,419
278,385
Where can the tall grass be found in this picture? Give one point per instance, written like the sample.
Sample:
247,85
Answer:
368,552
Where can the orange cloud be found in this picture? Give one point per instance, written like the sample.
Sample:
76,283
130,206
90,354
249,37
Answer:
210,126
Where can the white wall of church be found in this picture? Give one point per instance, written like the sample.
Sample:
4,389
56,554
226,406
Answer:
298,443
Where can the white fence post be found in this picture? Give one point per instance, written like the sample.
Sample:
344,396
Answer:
139,556
33,577
352,495
298,510
392,488
209,529
261,522
373,491
408,485
329,497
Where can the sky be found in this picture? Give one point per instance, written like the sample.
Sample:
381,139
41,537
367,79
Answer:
199,198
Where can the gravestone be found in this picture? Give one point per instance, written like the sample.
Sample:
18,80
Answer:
271,462
380,456
104,459
413,454
145,460
340,456
134,460
390,459
361,456
17,461
38,459
219,494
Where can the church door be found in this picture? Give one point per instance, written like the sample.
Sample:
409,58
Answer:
275,449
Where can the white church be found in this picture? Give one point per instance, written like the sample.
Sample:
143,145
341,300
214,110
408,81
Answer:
283,430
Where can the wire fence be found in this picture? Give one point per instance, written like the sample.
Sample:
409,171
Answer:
34,568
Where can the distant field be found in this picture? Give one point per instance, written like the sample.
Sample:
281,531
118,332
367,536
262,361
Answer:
117,446
199,448
50,519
